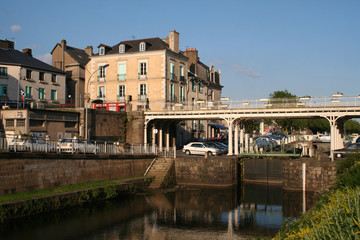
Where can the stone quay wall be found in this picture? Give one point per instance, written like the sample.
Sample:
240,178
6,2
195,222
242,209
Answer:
214,172
21,172
320,175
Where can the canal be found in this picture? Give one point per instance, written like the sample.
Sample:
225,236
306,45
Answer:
244,211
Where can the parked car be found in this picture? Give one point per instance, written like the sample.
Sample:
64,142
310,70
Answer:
218,146
32,144
266,143
322,138
340,153
77,146
278,136
200,148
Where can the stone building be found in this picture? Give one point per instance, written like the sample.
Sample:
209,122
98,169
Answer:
28,82
72,61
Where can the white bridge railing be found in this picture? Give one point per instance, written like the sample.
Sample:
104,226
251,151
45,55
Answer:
336,100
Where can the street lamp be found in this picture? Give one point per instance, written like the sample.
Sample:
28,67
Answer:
88,99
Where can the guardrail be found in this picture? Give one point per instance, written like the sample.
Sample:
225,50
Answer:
334,101
74,146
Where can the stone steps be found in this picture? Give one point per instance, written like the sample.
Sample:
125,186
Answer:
159,171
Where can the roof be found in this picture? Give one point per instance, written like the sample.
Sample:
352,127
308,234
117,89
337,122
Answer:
15,57
78,55
152,44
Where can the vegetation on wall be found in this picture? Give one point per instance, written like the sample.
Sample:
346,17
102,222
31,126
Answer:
337,215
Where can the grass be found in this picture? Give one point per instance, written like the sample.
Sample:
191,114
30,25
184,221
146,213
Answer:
59,190
337,215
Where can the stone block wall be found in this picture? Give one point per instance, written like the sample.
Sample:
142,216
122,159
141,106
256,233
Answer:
217,172
320,175
25,171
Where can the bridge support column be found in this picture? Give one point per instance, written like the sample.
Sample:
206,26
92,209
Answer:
246,145
242,130
167,133
262,127
160,139
335,136
230,136
153,140
236,143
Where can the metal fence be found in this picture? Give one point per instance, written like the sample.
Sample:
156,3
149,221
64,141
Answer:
76,146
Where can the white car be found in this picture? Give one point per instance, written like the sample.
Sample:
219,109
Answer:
200,148
32,144
77,146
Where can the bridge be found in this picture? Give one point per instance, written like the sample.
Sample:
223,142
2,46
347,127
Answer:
335,109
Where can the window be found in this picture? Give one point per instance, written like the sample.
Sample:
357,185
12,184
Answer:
53,95
28,92
101,92
3,71
101,51
200,87
122,48
28,74
3,90
142,92
101,73
172,92
41,76
172,71
193,85
142,47
121,93
181,72
9,122
53,78
20,122
181,94
41,93
121,72
142,70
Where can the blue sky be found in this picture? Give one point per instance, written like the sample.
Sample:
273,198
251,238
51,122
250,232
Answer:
309,47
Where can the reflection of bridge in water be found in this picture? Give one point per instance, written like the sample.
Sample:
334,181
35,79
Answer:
336,110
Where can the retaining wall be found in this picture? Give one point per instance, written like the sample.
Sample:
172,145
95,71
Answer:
21,172
215,172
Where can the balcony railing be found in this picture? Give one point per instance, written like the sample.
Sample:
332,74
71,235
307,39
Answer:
173,98
173,77
121,77
142,76
142,97
121,98
101,78
182,79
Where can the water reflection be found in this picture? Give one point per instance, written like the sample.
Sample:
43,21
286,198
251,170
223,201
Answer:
240,212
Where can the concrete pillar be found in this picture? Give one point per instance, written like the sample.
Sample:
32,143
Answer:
246,145
160,138
236,144
242,140
262,127
167,133
251,141
153,140
230,137
145,134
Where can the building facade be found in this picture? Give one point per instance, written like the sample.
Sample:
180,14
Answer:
72,61
137,75
27,81
150,74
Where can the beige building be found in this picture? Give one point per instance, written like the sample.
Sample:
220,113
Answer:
138,74
28,82
150,73
72,61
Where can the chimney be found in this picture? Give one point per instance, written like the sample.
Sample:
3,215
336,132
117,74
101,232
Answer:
27,51
7,44
193,56
63,44
174,41
89,50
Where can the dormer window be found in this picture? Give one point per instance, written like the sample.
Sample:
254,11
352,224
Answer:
122,48
142,47
102,51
